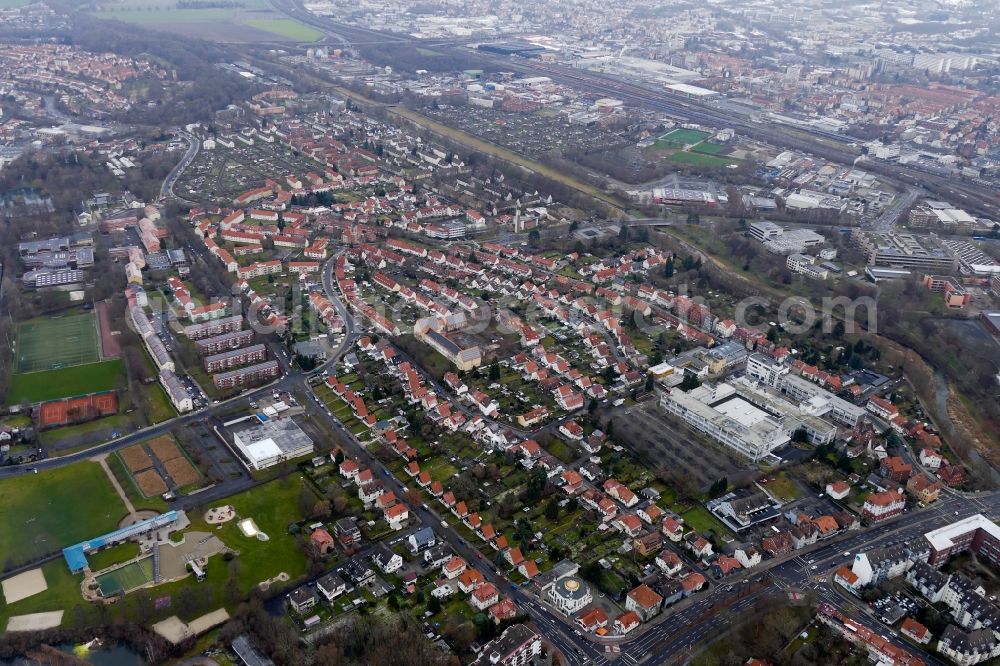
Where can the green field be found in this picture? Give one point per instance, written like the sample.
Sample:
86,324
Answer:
243,23
66,382
43,513
127,577
158,404
272,507
709,148
284,27
700,159
684,137
56,342
63,593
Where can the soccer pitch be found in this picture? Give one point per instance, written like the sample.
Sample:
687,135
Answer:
60,342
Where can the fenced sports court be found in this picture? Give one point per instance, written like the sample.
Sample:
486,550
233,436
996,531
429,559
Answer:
126,578
59,342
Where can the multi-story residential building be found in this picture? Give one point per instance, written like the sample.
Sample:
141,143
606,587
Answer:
235,358
249,375
882,506
179,396
874,566
644,601
214,327
226,341
258,269
968,648
517,646
976,533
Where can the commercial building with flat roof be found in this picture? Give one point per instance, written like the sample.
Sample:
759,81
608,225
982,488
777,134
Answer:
719,411
272,442
820,402
902,251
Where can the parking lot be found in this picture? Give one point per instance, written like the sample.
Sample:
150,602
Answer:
675,450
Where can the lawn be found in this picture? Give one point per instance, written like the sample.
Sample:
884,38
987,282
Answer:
684,136
284,27
63,383
49,437
783,488
63,593
700,159
43,513
561,450
56,342
699,519
709,148
158,407
272,507
105,558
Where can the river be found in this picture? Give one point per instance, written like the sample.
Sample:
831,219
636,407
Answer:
943,421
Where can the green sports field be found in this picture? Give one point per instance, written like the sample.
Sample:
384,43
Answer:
127,578
56,342
45,512
684,137
64,383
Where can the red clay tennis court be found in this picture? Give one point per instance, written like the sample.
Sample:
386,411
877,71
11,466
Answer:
76,410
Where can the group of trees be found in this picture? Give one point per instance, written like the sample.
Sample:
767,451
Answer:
394,639
206,88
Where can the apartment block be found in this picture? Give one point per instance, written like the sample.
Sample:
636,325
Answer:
235,358
249,375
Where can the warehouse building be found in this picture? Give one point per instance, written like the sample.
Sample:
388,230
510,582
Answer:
271,442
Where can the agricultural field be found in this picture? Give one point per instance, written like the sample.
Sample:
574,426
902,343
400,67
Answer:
56,342
65,382
252,22
43,513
